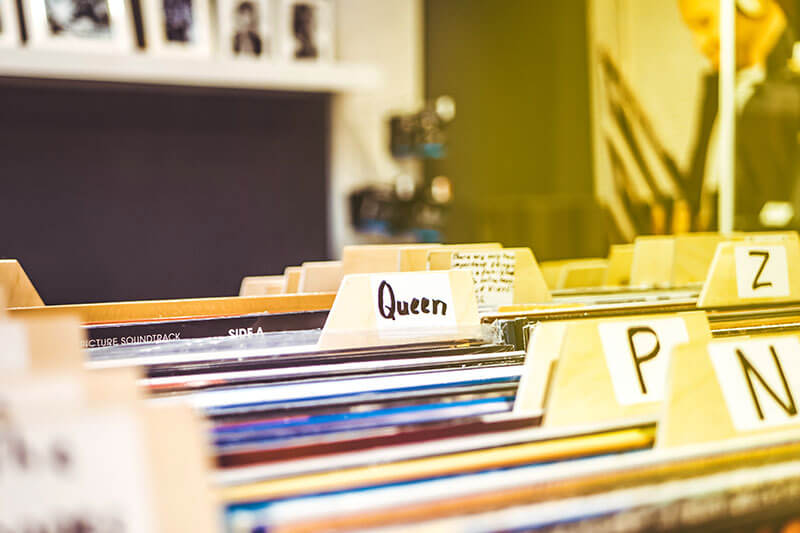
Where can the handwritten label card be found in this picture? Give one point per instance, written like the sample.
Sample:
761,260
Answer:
408,301
492,273
14,352
637,354
761,271
81,472
381,309
760,380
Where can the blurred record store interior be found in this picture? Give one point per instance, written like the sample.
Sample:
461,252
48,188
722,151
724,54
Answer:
399,265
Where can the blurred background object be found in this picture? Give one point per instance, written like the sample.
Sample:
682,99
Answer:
657,134
563,126
519,151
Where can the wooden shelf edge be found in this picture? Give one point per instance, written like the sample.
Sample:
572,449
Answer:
141,68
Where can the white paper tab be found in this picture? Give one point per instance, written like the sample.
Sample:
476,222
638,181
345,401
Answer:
18,397
761,271
76,473
760,380
409,301
14,353
637,355
492,273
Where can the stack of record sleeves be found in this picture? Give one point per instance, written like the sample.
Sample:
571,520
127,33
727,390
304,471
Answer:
419,388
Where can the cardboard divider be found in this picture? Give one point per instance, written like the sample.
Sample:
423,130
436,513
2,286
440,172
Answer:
180,466
729,389
291,278
18,289
262,285
652,262
541,360
195,307
320,276
620,259
757,270
615,369
400,307
370,258
503,277
582,274
171,486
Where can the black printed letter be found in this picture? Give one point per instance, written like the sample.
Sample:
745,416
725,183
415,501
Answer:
637,361
757,284
747,368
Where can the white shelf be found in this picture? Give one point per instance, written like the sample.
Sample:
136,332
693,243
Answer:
141,68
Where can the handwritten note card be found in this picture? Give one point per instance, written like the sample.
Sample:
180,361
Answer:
75,473
492,273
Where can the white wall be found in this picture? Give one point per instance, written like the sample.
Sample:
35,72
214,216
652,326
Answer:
389,35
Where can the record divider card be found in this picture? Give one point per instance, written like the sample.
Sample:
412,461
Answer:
749,269
620,258
365,259
320,276
582,274
141,467
651,265
731,388
401,307
415,259
187,308
615,369
16,285
291,276
501,277
682,260
757,270
376,258
541,359
262,285
746,386
39,344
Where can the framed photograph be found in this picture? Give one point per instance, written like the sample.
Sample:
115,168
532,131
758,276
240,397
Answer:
246,28
307,30
179,27
9,24
99,25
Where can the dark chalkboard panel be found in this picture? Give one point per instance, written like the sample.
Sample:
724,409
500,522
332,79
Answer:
118,192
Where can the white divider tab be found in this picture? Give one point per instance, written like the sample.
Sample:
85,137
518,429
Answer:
760,380
761,271
14,352
408,301
65,474
379,309
637,354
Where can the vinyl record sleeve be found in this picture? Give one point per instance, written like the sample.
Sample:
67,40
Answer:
278,429
349,443
564,485
263,395
562,450
152,332
326,368
357,400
